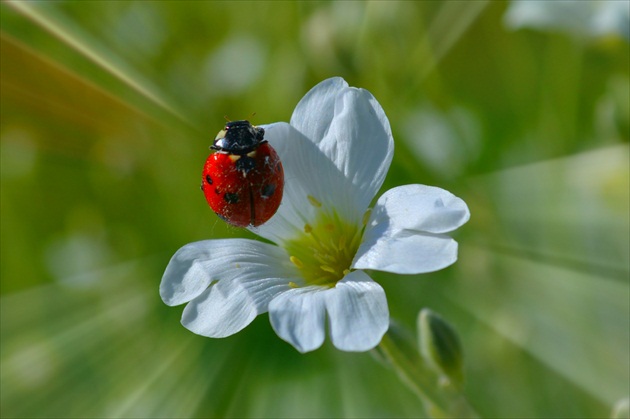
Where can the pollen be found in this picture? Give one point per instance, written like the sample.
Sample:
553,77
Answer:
327,268
314,202
293,284
324,252
297,262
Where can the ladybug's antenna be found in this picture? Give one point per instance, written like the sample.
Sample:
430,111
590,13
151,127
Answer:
226,118
252,115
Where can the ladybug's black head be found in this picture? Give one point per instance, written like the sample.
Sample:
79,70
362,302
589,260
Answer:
239,137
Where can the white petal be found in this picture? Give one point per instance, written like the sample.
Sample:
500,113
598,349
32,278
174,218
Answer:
228,306
298,317
313,114
336,152
221,310
359,141
294,211
405,252
308,173
420,208
348,150
357,309
403,234
196,265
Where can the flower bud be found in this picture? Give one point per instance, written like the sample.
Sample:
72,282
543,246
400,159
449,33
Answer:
440,346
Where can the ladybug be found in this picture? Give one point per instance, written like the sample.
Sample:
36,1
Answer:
243,179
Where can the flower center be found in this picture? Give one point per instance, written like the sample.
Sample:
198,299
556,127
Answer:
325,251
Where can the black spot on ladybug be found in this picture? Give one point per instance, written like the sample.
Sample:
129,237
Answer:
217,191
278,167
245,164
230,198
209,179
268,190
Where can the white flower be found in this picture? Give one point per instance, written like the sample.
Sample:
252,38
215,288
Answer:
336,152
577,17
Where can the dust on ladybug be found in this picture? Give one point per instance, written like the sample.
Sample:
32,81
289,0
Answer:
243,180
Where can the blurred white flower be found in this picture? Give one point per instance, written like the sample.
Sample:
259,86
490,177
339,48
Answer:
336,152
578,17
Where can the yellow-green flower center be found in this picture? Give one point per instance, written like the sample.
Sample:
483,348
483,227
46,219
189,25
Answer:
324,252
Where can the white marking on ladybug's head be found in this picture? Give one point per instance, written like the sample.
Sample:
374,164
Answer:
220,135
219,140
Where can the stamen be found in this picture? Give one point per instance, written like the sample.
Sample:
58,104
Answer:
327,269
297,262
314,202
324,251
323,258
293,284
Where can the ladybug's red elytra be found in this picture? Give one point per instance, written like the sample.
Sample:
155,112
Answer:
243,180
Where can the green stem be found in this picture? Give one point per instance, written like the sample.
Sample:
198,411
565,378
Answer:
439,400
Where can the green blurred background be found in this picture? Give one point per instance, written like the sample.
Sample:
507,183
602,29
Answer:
108,109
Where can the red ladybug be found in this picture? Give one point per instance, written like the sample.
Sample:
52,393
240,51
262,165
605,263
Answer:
243,180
